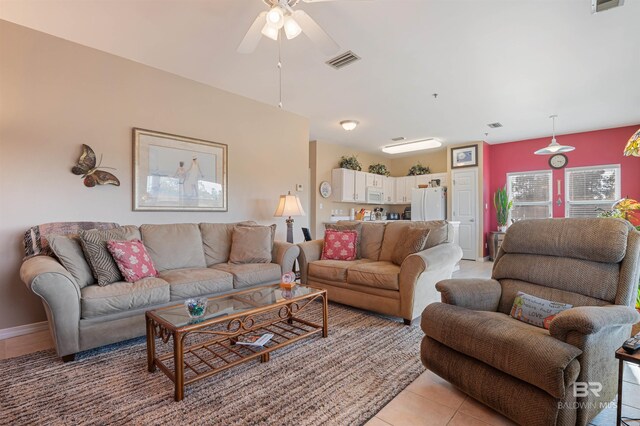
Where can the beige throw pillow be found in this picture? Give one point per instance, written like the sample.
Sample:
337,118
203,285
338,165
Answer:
413,240
439,231
68,250
251,244
352,226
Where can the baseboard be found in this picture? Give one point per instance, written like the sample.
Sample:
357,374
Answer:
483,259
7,333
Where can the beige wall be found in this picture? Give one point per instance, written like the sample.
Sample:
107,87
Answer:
324,157
56,95
435,160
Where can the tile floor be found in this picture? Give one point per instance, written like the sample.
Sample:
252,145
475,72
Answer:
429,400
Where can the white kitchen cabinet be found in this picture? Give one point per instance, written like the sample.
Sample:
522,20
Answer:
426,179
389,189
404,185
360,186
349,186
374,181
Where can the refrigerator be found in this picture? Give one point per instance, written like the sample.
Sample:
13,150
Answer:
429,203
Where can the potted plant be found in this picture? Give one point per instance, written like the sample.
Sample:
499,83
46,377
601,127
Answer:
418,170
379,169
503,204
350,163
629,210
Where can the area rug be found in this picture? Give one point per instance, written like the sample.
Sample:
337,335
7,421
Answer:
344,379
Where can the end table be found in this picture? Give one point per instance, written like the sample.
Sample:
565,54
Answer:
622,356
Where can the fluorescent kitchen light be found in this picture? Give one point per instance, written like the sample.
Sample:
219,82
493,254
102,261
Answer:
418,145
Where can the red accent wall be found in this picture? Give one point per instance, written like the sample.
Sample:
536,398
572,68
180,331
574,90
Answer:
487,197
594,148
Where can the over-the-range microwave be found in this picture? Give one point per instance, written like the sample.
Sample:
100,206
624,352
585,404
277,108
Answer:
374,195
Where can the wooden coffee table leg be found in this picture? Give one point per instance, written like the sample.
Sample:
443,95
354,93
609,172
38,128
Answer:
151,346
178,363
620,379
325,316
265,357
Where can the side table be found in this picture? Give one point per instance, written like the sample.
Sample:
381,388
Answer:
495,241
623,356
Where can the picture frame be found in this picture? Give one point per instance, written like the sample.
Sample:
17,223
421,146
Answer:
178,173
464,156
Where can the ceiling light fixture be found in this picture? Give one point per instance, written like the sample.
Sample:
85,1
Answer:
275,17
554,147
291,28
270,31
418,145
349,125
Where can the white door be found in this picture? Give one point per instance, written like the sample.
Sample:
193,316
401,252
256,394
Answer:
464,205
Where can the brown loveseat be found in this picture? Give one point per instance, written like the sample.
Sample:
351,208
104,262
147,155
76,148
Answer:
374,282
532,375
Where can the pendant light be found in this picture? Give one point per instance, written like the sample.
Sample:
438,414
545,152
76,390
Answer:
554,147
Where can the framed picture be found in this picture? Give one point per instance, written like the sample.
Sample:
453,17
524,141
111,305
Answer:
177,173
464,156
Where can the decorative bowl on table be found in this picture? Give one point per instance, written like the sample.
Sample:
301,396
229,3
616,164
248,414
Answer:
196,307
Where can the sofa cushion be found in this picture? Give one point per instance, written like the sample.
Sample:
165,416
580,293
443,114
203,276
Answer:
174,246
216,240
250,274
123,296
348,226
251,244
392,234
192,282
371,242
381,274
68,250
439,231
513,347
94,246
333,270
413,241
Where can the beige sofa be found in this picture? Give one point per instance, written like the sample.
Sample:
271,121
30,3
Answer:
192,260
373,282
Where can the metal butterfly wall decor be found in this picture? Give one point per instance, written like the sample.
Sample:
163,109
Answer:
89,170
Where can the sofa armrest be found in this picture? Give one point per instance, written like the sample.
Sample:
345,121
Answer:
420,272
60,295
588,320
471,293
285,254
310,251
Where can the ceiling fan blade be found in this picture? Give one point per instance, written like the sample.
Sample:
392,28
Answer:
315,33
252,38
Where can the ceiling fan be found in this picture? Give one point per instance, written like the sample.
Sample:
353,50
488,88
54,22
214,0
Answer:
282,16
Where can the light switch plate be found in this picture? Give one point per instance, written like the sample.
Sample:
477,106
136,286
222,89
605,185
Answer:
298,187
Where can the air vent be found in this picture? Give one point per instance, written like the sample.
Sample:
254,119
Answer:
343,60
494,125
602,5
399,138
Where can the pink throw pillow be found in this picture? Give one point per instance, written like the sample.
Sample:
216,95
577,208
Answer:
132,259
339,245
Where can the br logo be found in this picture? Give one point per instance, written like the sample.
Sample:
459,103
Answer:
582,389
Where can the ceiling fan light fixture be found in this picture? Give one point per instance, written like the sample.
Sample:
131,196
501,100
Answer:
275,17
270,31
291,28
554,147
418,145
349,125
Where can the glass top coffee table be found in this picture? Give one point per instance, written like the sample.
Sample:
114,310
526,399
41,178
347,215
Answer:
207,345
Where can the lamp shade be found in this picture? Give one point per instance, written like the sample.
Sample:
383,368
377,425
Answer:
289,205
633,146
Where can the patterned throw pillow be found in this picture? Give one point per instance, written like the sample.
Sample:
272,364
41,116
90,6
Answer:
94,246
412,241
132,259
339,245
348,226
535,310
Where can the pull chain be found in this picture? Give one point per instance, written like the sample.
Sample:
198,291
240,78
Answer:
280,68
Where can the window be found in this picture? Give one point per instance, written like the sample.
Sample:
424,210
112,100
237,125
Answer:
591,189
531,195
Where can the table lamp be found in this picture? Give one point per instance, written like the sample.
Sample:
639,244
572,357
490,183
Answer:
289,205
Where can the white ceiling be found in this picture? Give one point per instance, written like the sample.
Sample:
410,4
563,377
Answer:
515,61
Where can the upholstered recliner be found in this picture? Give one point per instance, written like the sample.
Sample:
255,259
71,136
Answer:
532,375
